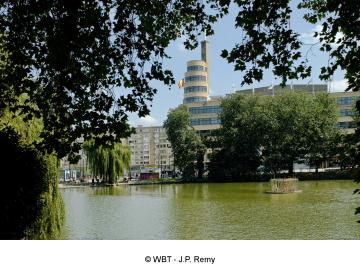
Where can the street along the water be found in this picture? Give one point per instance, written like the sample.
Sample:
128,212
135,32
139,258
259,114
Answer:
323,210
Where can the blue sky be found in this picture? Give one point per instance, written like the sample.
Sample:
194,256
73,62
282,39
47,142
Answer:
223,79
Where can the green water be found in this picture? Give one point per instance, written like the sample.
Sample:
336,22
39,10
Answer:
323,210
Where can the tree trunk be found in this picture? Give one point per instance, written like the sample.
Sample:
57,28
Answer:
291,168
200,164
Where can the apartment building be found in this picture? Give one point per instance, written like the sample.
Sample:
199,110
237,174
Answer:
150,151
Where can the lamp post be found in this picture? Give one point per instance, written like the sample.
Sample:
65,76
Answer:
160,165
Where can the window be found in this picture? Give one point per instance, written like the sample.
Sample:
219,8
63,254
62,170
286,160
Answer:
196,68
344,125
195,99
346,112
204,121
205,109
346,100
195,78
194,89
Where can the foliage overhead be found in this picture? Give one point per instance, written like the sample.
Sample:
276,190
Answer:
269,40
339,36
86,64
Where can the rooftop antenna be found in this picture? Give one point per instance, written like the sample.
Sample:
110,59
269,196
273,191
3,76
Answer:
313,87
272,88
329,85
205,58
312,84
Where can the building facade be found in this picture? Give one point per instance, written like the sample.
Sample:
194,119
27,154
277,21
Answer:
150,152
205,109
272,90
74,172
150,149
149,146
345,103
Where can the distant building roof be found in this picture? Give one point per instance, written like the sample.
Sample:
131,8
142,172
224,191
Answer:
268,90
216,97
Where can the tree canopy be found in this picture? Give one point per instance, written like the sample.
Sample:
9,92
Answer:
186,144
301,127
269,40
272,132
85,65
107,162
31,202
243,125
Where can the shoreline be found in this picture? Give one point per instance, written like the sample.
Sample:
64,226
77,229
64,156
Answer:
320,176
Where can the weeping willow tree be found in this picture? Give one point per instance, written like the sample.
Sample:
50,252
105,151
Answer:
107,162
31,202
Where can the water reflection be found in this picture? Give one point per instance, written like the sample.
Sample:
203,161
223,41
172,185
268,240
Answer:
324,210
110,190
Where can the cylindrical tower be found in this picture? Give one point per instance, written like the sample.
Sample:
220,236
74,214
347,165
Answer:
196,82
196,86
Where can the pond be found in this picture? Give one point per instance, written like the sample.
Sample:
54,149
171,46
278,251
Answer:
323,210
